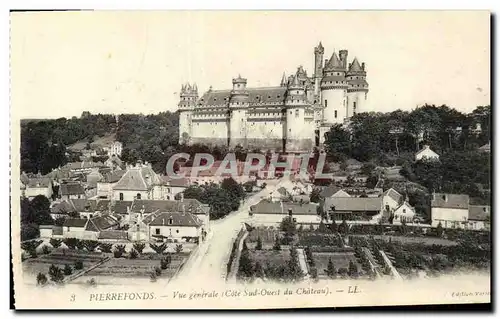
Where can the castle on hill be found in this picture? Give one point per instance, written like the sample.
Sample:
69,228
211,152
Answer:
291,117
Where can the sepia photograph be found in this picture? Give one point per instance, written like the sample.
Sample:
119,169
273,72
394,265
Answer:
250,159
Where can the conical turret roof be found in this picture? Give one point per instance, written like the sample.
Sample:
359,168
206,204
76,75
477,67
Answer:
283,80
295,81
334,63
355,66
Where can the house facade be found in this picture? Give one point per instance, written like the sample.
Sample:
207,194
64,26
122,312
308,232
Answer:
137,183
451,210
173,225
366,209
38,186
72,190
404,213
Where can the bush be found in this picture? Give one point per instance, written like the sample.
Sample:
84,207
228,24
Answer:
56,243
78,264
105,247
133,254
79,244
120,248
178,248
139,247
277,246
56,274
117,253
152,276
165,262
45,250
91,282
70,242
41,279
90,245
159,248
259,244
67,270
157,271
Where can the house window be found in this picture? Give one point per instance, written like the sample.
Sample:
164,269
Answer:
404,210
138,196
90,215
290,112
177,231
354,106
335,113
387,207
121,196
157,231
295,220
170,221
296,113
326,103
289,212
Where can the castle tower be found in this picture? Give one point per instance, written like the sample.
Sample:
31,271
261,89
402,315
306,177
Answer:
334,91
238,104
188,98
298,137
283,80
357,91
318,67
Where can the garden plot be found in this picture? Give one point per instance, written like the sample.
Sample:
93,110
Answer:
60,258
339,260
272,257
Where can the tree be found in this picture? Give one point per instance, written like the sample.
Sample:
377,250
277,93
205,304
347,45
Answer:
133,254
353,270
337,143
139,247
439,230
330,270
119,251
178,248
258,270
105,247
159,248
315,197
259,244
70,242
41,279
288,226
78,265
277,245
67,270
90,245
293,271
56,274
344,228
30,246
245,267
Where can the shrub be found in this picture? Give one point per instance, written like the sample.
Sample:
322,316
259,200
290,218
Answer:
139,247
78,264
56,274
91,282
30,247
41,279
178,248
277,245
152,276
117,253
164,263
79,244
157,271
159,248
45,250
105,247
70,242
133,254
120,248
56,243
90,245
67,270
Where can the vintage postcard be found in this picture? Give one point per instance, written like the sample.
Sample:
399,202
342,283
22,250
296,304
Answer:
250,159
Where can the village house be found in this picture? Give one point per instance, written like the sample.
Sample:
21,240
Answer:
114,162
451,210
479,217
137,183
169,188
83,167
272,213
367,209
173,225
71,190
404,213
38,186
89,228
105,186
426,154
392,200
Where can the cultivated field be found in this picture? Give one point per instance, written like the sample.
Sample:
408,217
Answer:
274,258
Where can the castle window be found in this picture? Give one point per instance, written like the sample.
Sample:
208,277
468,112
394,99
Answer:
326,103
278,96
290,112
335,113
354,106
289,130
296,113
268,96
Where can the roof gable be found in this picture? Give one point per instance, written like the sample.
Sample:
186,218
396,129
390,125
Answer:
457,201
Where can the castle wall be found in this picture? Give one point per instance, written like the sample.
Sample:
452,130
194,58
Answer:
237,128
210,131
358,97
333,100
185,132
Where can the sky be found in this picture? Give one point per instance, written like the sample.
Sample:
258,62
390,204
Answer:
64,63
